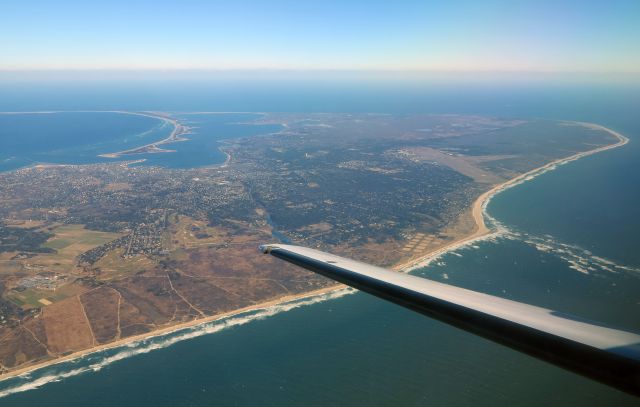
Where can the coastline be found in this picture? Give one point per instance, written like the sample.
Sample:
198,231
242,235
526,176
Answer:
175,136
480,204
481,231
178,130
169,330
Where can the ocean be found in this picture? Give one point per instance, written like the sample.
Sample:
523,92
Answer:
566,240
67,137
72,137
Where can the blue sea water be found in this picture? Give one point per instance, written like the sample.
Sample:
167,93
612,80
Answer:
209,131
568,242
72,137
81,137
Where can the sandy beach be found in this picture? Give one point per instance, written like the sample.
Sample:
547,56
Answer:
175,136
480,232
480,204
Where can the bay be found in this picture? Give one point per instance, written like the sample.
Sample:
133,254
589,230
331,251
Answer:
567,242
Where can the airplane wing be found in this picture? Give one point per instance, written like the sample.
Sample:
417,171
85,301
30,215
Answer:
609,355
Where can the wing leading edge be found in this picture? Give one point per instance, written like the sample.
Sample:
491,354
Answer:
608,355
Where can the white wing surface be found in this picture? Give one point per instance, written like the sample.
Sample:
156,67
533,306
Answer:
606,354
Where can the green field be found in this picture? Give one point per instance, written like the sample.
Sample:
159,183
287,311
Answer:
68,235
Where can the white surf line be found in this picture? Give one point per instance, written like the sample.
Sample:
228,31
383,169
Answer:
148,343
578,258
479,208
339,290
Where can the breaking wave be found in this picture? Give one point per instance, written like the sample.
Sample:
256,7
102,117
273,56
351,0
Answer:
579,259
576,257
95,362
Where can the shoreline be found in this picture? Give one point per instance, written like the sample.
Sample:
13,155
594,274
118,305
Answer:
479,205
481,230
175,136
178,131
151,148
169,330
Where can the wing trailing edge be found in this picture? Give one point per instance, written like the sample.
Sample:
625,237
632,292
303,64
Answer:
605,354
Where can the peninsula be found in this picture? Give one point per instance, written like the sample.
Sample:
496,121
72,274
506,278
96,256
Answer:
95,256
177,134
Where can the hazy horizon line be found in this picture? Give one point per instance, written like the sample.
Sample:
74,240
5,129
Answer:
299,73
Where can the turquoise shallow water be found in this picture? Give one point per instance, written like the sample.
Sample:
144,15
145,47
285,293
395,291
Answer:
360,350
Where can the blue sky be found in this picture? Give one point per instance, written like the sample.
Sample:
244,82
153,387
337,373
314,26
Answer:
482,35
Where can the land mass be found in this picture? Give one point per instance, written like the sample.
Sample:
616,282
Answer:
93,256
177,134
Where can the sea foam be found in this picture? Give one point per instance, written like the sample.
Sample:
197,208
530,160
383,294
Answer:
95,362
